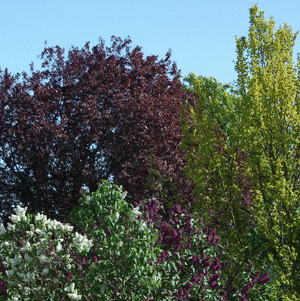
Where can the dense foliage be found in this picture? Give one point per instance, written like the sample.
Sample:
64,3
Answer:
99,114
176,263
243,155
229,155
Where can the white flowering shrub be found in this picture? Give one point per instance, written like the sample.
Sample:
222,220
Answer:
123,244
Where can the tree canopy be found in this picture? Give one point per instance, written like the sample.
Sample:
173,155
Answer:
97,114
244,158
229,154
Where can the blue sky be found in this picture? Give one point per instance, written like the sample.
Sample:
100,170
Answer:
200,33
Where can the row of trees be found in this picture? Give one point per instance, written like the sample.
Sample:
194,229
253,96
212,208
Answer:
228,154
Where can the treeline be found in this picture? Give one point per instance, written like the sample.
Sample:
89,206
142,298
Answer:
229,154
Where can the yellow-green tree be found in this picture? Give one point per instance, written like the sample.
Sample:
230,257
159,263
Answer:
269,133
265,129
216,166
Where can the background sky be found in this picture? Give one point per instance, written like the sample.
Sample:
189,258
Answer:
200,33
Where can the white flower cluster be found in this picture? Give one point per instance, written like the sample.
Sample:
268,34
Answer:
73,293
134,214
79,241
87,199
155,278
116,216
142,225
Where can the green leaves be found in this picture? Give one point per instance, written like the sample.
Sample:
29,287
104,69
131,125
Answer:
242,154
269,134
219,165
126,244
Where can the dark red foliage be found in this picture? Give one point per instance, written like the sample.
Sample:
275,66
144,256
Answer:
96,114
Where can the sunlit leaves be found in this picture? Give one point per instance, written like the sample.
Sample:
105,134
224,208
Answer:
269,134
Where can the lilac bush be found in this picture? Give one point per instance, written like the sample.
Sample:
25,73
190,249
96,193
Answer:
184,259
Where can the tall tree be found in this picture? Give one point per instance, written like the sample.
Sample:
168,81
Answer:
216,166
96,115
265,132
269,132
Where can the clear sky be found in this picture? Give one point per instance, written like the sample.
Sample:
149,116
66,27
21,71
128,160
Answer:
200,33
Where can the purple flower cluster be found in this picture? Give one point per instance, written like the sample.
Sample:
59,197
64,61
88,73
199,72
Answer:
178,240
260,280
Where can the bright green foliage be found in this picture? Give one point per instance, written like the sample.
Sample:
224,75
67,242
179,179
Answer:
263,124
205,141
269,133
214,99
216,167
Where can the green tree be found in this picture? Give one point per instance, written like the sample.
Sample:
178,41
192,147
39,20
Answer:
268,83
216,166
264,128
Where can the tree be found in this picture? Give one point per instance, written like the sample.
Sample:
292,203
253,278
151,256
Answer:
265,131
269,83
216,166
96,115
